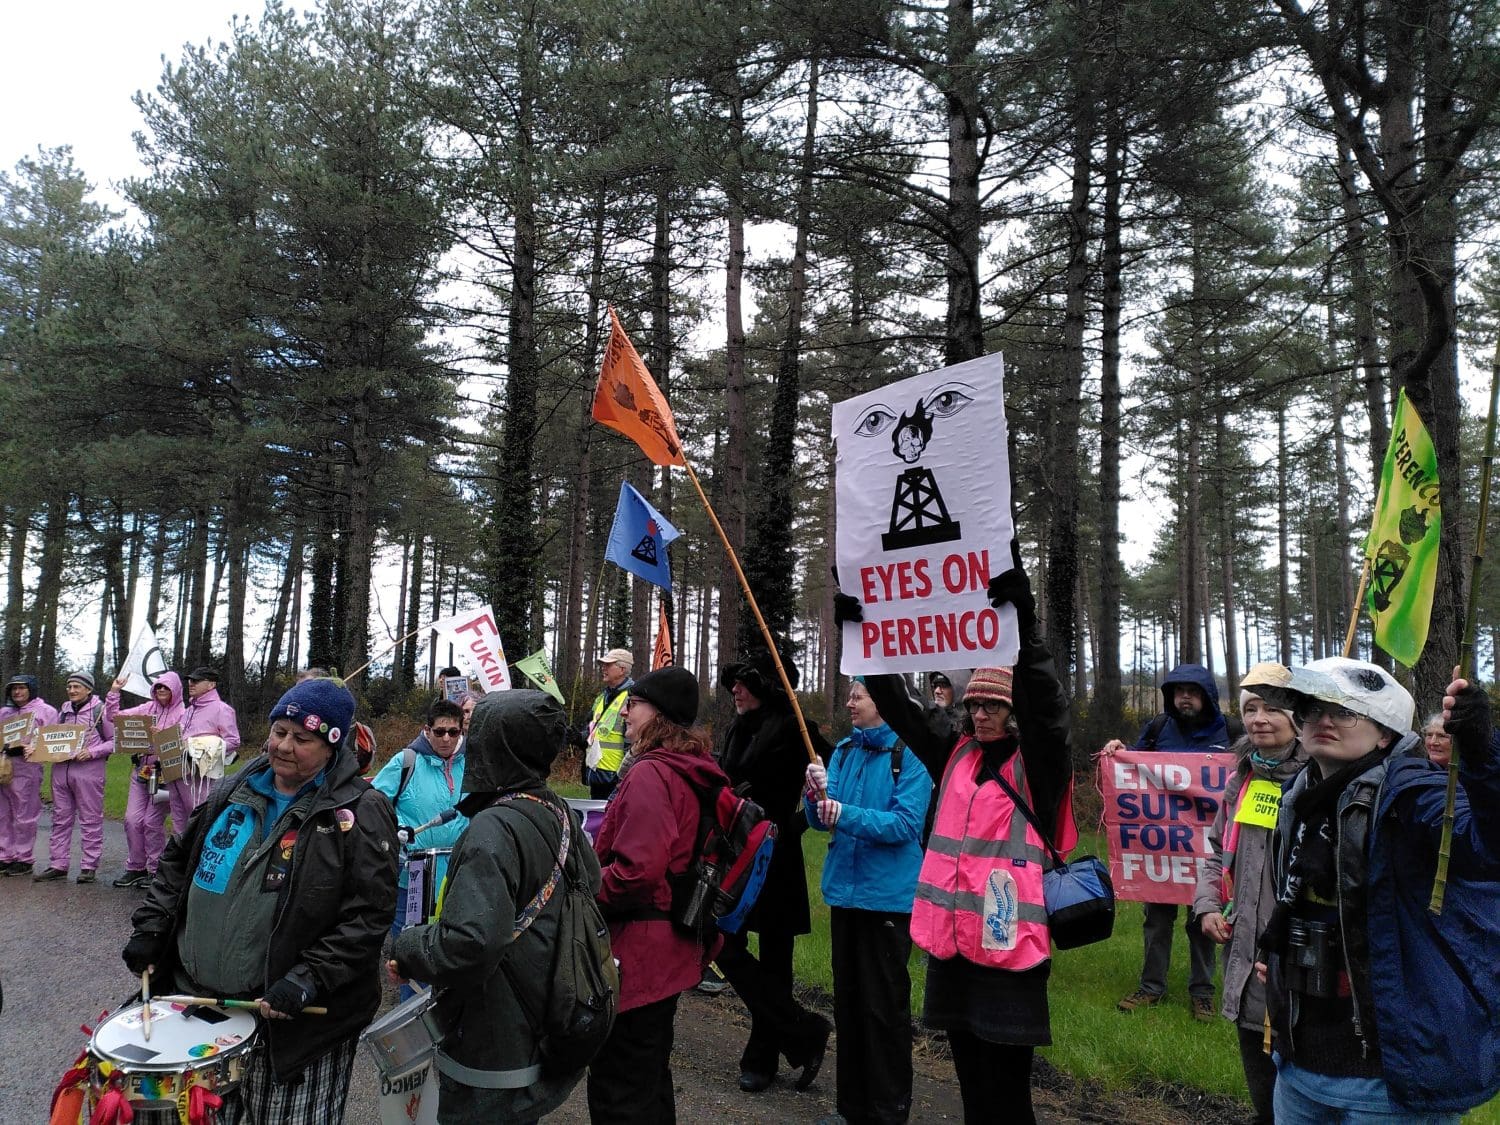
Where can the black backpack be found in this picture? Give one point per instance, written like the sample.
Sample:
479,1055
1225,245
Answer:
584,983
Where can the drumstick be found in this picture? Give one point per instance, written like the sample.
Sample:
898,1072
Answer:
209,1001
146,999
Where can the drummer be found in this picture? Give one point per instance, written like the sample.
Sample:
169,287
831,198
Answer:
423,780
280,889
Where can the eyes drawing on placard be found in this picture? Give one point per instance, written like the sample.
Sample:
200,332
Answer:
913,431
876,421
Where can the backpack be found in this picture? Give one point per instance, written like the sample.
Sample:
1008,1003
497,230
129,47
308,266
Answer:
583,984
408,767
731,857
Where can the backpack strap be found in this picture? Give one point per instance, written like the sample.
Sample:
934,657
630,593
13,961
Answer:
539,900
408,767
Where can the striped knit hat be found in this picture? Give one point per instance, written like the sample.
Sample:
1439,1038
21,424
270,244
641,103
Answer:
990,683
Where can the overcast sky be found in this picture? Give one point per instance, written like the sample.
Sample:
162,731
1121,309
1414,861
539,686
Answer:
68,69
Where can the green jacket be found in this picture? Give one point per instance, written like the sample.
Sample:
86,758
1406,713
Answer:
469,956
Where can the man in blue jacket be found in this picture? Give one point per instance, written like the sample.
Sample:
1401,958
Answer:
1190,720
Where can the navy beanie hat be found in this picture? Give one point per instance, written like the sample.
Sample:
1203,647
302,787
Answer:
323,707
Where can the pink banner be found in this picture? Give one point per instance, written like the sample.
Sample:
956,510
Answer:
1158,806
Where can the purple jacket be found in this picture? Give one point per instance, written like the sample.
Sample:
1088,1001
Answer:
208,714
100,740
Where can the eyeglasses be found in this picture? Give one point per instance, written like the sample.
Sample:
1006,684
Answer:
446,732
1312,710
988,706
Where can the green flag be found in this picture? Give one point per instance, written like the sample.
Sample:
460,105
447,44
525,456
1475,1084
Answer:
1403,543
539,672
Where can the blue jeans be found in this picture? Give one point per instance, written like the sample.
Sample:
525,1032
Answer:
1350,1101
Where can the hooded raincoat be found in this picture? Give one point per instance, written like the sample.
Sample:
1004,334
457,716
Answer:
21,800
490,983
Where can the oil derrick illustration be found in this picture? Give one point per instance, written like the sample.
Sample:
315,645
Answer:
919,515
645,550
1392,559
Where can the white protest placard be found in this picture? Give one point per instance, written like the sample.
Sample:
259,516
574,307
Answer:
923,513
475,635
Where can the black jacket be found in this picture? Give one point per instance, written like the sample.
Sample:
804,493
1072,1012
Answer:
333,910
764,748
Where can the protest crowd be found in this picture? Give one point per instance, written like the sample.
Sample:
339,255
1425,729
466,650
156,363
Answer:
542,944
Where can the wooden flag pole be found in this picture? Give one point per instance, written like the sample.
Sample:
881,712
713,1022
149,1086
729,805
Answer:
1359,600
588,631
765,631
389,648
1471,625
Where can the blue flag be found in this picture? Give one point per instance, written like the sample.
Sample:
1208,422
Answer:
638,540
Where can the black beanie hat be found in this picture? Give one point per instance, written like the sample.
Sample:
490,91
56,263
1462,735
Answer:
672,691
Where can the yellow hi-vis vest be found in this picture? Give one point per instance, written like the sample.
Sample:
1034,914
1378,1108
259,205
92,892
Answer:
607,732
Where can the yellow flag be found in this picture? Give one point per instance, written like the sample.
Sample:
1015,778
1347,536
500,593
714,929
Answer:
628,400
1404,536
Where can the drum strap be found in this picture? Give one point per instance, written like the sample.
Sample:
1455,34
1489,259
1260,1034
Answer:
488,1079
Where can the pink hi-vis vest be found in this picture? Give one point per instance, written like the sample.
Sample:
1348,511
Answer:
979,894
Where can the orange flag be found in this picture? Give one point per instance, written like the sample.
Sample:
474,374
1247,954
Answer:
661,657
628,401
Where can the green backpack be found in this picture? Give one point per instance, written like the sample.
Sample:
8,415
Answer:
584,982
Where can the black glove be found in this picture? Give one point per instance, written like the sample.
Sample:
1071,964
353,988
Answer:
846,608
15,751
142,951
577,739
289,996
1014,587
1468,724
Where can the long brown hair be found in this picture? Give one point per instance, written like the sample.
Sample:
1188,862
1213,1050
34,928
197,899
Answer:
663,732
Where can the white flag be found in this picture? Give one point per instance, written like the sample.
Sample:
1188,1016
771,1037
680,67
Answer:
147,661
475,635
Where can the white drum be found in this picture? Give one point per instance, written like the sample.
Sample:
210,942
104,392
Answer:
402,1043
190,1046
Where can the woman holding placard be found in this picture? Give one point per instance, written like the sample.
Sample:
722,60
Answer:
1235,892
145,812
21,797
78,784
990,953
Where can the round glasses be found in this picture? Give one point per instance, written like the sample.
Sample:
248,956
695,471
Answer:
446,732
1311,710
988,706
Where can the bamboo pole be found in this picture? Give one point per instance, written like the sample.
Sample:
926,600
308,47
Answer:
765,631
1466,646
390,648
1359,600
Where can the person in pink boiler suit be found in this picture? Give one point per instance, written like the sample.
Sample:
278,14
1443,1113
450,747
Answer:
78,785
21,800
146,819
206,713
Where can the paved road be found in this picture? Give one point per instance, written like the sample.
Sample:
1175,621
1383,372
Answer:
61,968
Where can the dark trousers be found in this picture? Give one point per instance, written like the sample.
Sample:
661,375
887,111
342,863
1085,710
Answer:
778,1024
872,1013
630,1080
1157,929
1260,1073
993,1078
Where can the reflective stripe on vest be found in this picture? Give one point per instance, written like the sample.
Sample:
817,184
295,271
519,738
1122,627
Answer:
979,894
607,732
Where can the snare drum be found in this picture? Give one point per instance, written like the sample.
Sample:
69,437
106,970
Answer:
189,1046
591,812
402,1042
